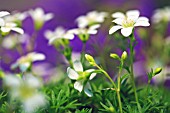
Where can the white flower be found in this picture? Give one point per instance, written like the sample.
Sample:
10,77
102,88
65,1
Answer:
25,62
91,18
16,16
40,17
26,91
3,14
58,34
11,26
161,15
84,33
12,40
82,77
127,22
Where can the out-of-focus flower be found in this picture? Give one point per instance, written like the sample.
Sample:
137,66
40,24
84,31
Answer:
60,35
16,17
26,61
12,40
127,22
91,18
84,33
26,91
161,15
2,15
40,17
82,77
11,26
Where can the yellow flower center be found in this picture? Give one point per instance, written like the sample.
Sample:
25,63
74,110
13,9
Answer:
128,23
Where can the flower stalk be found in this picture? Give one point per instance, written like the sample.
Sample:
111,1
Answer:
132,39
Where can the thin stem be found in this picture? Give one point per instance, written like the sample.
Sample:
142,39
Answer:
132,74
114,85
83,52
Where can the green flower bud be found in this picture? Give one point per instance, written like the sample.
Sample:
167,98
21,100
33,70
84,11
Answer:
124,55
157,70
112,109
90,59
115,56
2,75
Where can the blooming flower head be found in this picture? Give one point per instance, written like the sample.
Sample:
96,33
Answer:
81,77
161,15
25,62
91,18
16,17
84,33
13,40
40,17
60,35
7,27
127,22
26,91
2,15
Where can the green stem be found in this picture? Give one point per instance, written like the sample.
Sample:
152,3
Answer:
132,74
83,53
114,85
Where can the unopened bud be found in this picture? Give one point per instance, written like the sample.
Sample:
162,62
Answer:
90,59
124,55
115,56
157,71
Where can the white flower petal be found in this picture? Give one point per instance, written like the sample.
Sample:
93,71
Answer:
126,31
5,29
118,15
78,85
4,13
87,90
24,66
143,19
2,22
72,74
17,29
118,21
38,57
133,14
11,81
94,27
32,81
68,36
92,75
78,66
48,16
142,23
114,29
93,32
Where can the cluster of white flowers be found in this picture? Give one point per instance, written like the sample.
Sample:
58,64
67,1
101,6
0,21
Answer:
82,77
26,91
127,22
161,15
25,62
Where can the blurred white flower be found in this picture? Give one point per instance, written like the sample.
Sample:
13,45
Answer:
11,26
26,91
84,33
58,34
26,61
2,15
82,77
39,17
161,15
12,40
91,18
127,22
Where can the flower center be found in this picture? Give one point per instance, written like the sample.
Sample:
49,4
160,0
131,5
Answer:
128,23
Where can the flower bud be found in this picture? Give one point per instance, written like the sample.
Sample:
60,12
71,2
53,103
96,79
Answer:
157,70
124,55
115,56
90,59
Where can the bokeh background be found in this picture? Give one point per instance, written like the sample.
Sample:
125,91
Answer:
100,45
